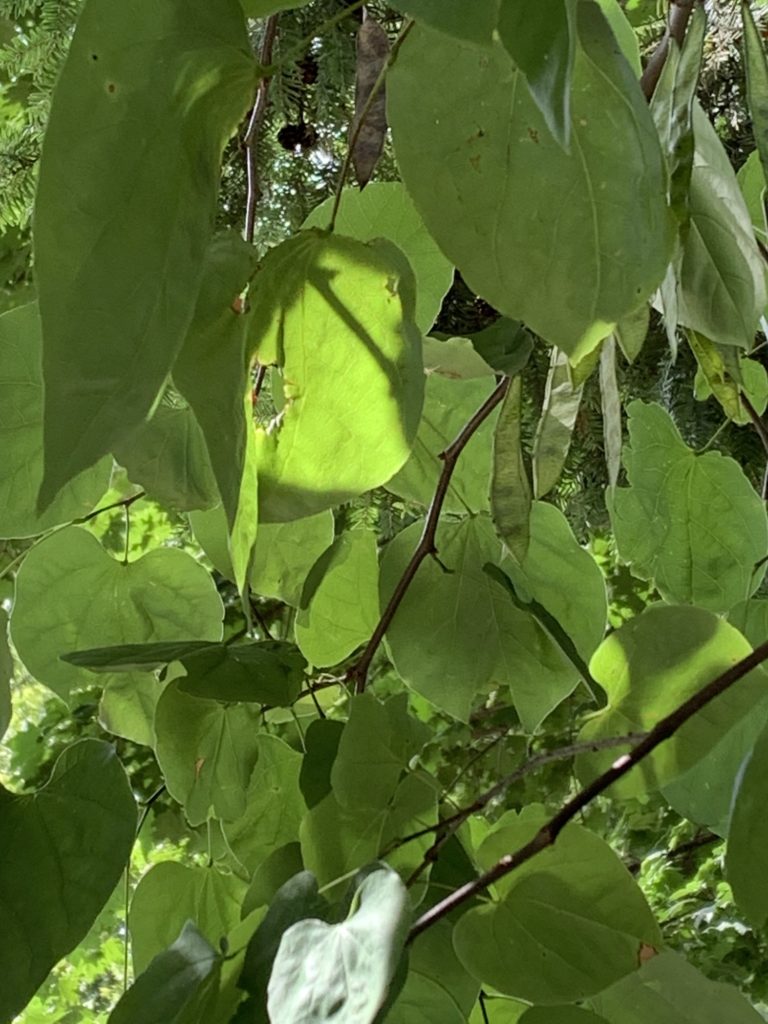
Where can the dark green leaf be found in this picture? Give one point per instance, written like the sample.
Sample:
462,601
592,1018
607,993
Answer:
270,672
541,39
179,986
747,854
72,840
506,346
470,24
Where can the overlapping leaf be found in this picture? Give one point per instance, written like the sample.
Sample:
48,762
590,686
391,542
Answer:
125,211
568,243
66,847
342,972
448,405
747,855
385,210
722,289
211,371
169,895
458,631
21,423
668,990
206,751
71,595
340,603
652,664
692,524
564,925
178,987
331,308
541,39
167,457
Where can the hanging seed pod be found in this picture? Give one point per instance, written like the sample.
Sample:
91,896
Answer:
368,142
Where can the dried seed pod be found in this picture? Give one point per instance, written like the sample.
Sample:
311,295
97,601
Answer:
372,54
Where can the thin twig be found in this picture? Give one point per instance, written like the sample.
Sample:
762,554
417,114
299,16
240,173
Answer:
426,545
258,383
548,833
255,122
675,852
377,86
538,761
449,826
677,22
122,503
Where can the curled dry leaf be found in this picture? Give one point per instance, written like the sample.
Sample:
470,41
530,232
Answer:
369,125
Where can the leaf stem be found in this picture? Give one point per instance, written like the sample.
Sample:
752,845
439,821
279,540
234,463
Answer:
376,89
255,123
426,545
548,833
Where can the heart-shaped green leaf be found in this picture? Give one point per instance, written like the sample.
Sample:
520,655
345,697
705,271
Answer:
65,848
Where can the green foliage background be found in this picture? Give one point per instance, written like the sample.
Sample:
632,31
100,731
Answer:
411,749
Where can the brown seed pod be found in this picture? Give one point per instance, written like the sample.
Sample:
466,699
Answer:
372,54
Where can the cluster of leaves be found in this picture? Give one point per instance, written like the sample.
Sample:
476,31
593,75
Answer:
321,641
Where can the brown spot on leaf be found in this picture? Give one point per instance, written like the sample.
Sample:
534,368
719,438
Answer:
645,953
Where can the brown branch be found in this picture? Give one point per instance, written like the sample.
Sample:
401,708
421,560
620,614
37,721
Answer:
677,22
449,826
547,757
426,545
676,852
122,503
254,127
548,833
